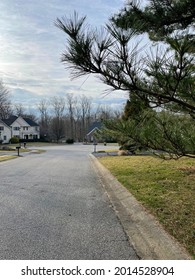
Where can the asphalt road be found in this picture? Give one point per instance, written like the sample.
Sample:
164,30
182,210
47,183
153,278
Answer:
53,206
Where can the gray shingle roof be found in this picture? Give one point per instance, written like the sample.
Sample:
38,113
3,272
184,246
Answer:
94,126
30,122
10,120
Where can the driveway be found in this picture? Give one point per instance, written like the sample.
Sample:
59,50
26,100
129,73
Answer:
53,206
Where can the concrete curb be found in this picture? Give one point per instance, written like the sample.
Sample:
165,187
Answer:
146,235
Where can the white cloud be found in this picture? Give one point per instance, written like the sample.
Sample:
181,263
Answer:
31,48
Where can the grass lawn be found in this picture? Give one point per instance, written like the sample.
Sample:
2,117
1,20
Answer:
3,158
165,188
22,150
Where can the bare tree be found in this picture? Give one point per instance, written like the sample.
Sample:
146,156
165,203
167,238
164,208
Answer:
43,108
71,104
58,127
19,109
104,112
85,104
78,130
5,103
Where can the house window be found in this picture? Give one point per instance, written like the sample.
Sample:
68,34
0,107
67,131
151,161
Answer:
16,128
4,137
25,127
1,128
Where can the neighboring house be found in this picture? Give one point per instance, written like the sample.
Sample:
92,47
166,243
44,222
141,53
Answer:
23,128
97,125
5,132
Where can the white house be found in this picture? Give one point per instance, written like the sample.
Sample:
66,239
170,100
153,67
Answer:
5,132
23,128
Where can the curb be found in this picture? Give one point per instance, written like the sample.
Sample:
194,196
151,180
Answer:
146,235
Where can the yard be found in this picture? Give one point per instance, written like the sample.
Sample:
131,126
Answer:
10,151
6,157
165,187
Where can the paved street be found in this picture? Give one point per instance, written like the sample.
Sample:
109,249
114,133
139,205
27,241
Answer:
52,206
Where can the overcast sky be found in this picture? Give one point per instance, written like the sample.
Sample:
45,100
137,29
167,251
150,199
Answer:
31,48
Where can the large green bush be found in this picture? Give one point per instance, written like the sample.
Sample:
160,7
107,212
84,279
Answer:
14,140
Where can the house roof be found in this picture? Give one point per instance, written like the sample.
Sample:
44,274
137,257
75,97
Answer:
94,126
10,120
2,122
30,122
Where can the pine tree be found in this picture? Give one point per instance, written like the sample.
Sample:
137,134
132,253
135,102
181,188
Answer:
163,79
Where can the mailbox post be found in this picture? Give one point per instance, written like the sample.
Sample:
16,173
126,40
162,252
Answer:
95,145
18,148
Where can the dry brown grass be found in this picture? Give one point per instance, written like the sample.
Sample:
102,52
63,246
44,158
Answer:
3,158
165,188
